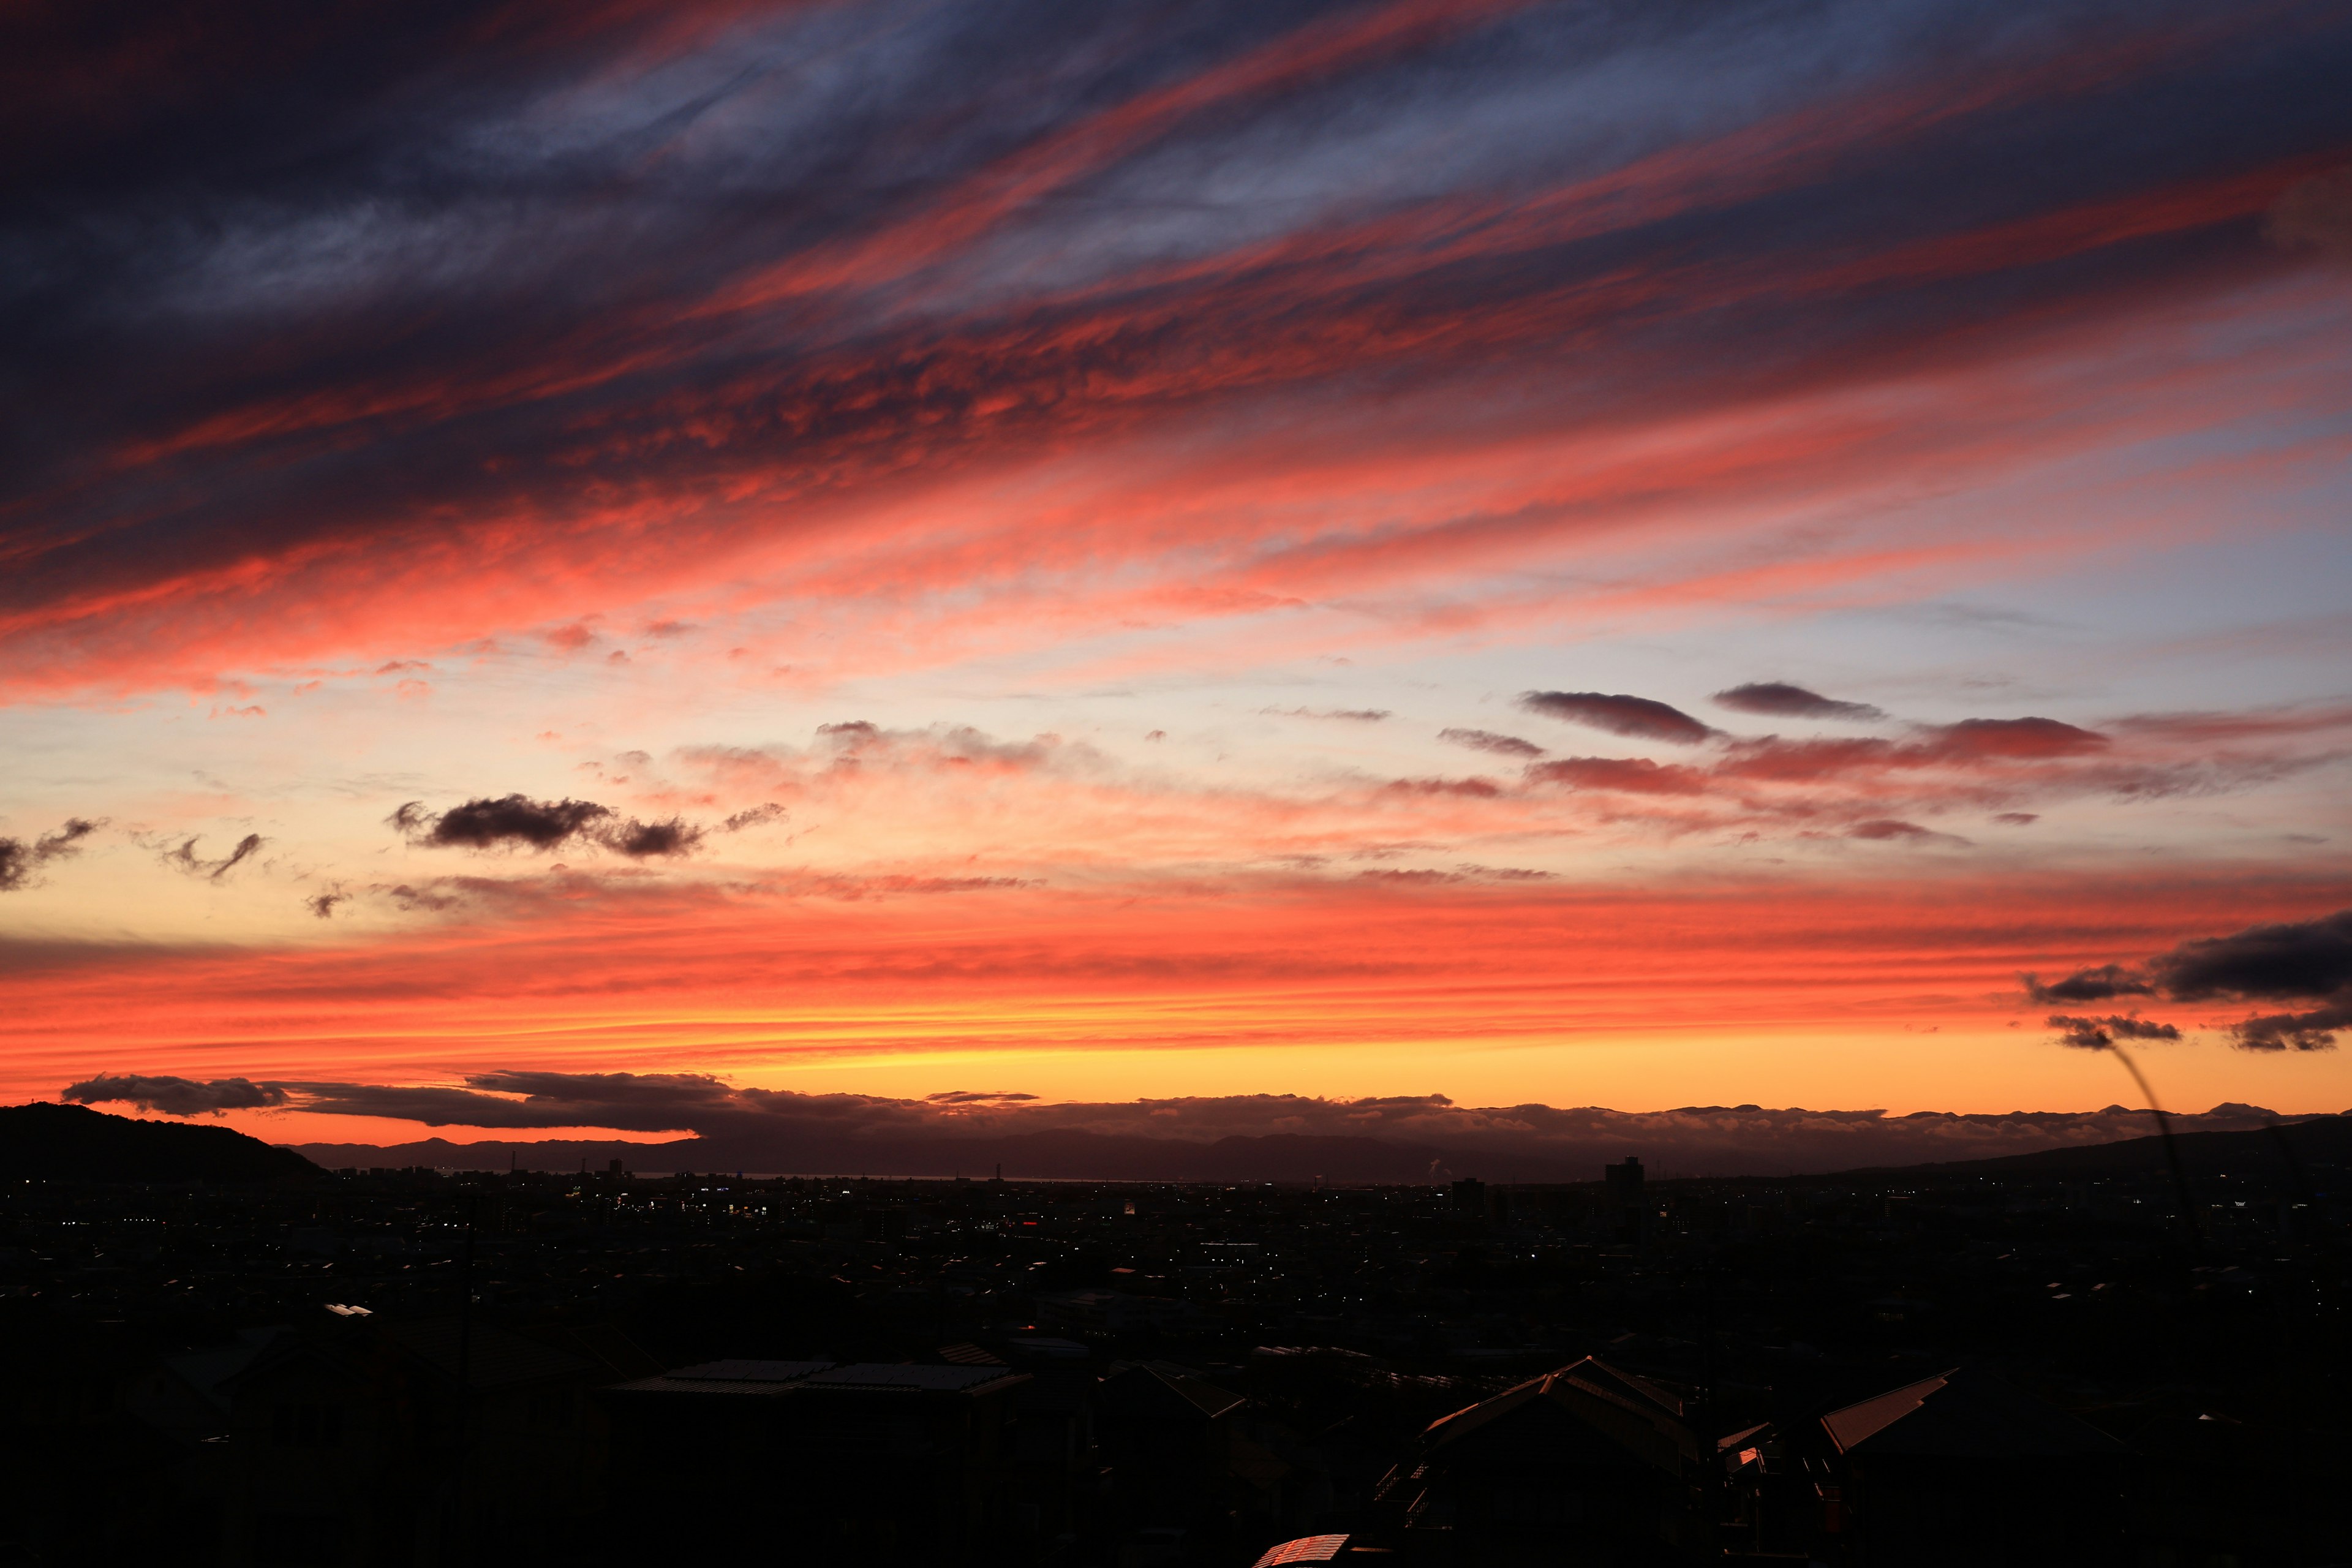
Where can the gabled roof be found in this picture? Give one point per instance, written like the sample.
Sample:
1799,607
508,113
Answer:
1632,1412
1965,1414
1453,1426
1622,1388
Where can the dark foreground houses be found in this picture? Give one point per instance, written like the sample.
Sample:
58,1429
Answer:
348,1368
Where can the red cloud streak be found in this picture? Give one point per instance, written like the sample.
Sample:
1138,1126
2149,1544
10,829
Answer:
574,973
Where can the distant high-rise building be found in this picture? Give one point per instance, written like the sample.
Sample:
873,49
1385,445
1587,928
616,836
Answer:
1628,1204
1624,1180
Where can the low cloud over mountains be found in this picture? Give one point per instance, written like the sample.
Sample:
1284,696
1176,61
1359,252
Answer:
1231,1136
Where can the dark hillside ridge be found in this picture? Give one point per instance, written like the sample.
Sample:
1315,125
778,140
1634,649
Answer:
2323,1141
73,1143
1071,1154
1055,1155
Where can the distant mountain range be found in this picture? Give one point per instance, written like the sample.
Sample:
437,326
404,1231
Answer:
70,1142
1074,1154
1059,1154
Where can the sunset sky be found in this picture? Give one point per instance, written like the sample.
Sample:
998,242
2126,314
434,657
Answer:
1604,553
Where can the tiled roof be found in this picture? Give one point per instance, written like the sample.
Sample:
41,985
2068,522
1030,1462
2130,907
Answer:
1306,1549
1470,1417
1620,1387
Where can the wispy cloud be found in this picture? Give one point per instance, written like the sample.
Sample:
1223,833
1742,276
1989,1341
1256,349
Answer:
20,863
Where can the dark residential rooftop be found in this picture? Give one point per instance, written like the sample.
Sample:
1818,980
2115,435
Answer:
1964,1413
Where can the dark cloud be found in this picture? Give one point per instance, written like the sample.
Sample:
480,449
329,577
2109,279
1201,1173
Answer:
754,816
507,820
2017,818
19,860
2098,1033
1630,775
2312,1031
1354,715
1778,698
2298,960
1488,741
1983,745
323,904
975,1097
1482,789
2264,963
516,820
640,840
184,856
175,1095
637,1102
460,237
2098,985
1619,714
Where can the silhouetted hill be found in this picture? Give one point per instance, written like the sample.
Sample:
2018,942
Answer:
41,1142
2321,1141
1060,1154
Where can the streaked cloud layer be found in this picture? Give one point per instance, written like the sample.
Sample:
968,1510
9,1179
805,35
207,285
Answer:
1359,548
